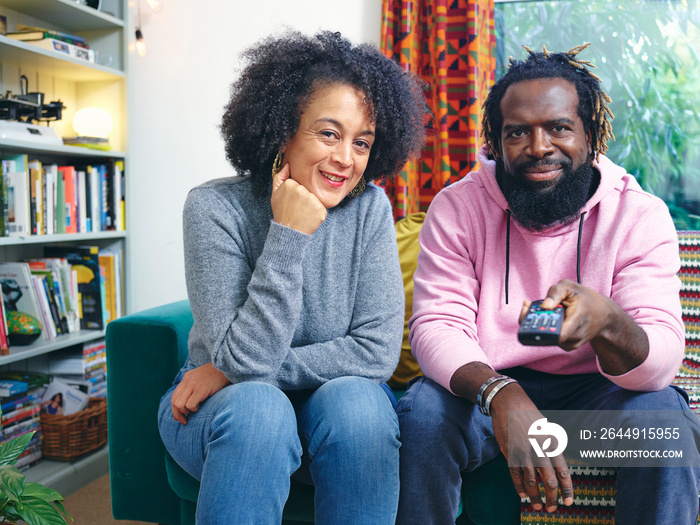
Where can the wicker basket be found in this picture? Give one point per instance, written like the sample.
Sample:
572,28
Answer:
68,437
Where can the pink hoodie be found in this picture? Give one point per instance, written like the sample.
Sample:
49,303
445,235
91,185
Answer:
629,252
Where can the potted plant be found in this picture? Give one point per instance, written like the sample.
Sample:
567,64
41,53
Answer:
25,501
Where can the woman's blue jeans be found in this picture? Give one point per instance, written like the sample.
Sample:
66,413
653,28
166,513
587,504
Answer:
443,435
247,440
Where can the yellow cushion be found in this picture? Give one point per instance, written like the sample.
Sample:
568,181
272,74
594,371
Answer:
407,230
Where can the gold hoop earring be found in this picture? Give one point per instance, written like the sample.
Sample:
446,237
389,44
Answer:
277,165
358,189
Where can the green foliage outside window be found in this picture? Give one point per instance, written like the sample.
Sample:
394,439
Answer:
647,55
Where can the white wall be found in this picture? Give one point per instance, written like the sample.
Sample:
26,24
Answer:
177,94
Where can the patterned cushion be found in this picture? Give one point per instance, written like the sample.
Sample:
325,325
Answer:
594,488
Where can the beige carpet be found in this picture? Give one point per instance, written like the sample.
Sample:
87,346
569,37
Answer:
92,505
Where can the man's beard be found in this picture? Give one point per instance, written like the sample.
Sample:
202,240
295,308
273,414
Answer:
537,209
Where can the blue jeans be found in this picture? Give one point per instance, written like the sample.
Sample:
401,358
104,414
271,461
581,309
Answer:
245,442
443,435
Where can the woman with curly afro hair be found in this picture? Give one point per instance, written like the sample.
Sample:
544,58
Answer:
296,291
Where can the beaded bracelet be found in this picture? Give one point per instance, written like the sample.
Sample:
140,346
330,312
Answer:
492,394
482,389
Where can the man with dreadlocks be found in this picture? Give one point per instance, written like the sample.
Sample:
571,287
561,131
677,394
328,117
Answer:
547,216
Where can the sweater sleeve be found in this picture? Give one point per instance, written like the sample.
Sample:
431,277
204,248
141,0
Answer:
371,348
647,287
443,332
244,311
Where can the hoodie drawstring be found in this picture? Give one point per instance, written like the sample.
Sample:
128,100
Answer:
507,251
578,249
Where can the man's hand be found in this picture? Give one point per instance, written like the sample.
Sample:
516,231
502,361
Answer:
553,471
295,206
618,341
196,386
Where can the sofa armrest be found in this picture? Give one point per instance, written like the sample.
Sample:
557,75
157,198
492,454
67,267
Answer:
144,352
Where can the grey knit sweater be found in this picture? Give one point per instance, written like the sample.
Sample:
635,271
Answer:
276,305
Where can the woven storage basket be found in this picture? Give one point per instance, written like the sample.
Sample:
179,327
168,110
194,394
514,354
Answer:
69,437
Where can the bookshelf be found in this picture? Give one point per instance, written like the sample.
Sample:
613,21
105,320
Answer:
77,84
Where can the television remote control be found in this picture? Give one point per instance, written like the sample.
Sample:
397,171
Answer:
541,327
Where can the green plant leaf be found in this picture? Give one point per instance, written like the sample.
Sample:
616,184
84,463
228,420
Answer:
63,509
10,450
10,514
12,482
37,490
38,512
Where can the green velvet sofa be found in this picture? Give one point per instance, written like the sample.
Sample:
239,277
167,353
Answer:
144,352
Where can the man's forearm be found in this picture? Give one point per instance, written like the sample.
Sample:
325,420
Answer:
468,378
622,345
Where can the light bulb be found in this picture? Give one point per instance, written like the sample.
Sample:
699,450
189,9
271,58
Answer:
156,5
140,44
93,122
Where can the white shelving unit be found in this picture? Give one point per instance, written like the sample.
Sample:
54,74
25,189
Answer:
76,83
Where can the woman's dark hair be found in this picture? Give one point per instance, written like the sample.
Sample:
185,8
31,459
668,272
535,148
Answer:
592,100
281,75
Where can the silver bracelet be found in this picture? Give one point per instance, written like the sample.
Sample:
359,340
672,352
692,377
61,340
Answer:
482,389
492,394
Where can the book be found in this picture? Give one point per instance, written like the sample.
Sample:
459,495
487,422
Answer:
18,204
67,173
4,220
67,292
19,297
28,28
4,336
28,458
58,316
19,415
85,261
108,262
18,428
46,318
50,176
36,197
63,399
107,190
86,370
93,191
82,204
60,207
118,194
32,378
11,387
16,162
21,419
65,280
25,36
13,164
97,143
64,48
20,399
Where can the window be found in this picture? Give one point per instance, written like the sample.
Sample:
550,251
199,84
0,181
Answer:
647,53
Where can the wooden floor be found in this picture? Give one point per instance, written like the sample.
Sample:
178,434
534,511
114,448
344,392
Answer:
92,505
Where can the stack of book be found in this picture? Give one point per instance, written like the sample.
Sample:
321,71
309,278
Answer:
20,398
72,288
64,43
85,369
47,199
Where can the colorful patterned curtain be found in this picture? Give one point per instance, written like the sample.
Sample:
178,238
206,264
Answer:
450,44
